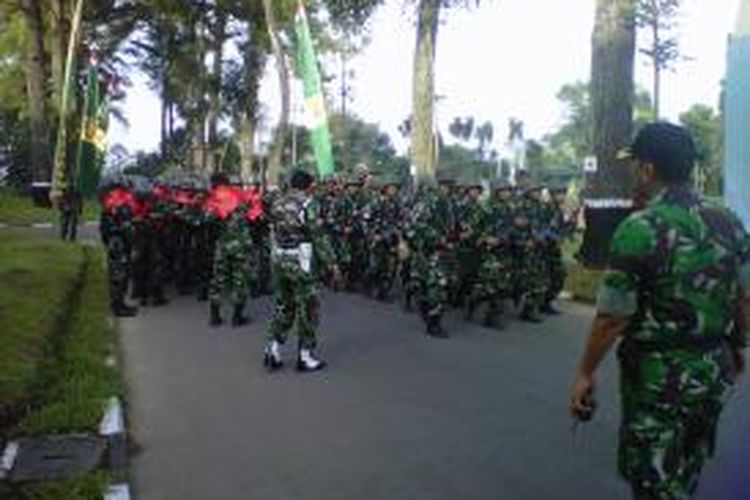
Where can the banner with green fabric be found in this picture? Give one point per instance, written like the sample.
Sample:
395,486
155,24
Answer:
307,69
93,134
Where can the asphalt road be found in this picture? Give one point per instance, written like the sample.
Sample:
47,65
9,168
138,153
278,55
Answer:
397,415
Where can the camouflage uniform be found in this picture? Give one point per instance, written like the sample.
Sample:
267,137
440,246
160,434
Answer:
428,280
470,214
558,229
232,264
530,280
676,270
384,236
300,250
495,277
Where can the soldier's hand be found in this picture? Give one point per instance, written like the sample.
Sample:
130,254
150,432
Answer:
583,388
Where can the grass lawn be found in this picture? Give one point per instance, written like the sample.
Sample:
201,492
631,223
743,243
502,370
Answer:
582,283
55,338
20,210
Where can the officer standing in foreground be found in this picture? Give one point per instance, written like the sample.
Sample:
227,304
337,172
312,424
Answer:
300,250
677,293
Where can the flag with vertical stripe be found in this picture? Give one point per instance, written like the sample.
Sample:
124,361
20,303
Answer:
307,69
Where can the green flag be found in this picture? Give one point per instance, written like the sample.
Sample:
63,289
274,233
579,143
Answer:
60,174
93,134
307,69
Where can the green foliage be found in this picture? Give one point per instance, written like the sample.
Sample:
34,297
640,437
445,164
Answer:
582,283
705,125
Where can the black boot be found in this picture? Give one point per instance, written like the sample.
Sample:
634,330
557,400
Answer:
202,294
122,310
548,308
159,300
529,314
434,328
238,317
215,315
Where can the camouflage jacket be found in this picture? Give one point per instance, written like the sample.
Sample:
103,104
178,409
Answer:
676,269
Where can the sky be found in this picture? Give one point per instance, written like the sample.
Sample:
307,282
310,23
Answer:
503,59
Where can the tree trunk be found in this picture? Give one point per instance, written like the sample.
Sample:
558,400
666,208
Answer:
609,190
215,92
36,79
657,65
246,135
60,32
273,170
423,153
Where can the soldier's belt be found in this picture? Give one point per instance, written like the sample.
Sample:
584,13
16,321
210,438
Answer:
691,344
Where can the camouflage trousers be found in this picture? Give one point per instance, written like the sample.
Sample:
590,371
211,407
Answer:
149,266
429,283
671,402
530,276
382,268
231,272
296,297
556,271
118,268
494,280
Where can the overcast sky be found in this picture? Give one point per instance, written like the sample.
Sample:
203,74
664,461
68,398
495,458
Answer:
506,58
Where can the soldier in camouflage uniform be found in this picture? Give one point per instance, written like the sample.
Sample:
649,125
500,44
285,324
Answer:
677,293
469,215
300,251
427,240
232,267
116,229
494,283
386,216
530,280
559,227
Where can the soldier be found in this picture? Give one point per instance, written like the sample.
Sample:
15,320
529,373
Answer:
300,251
428,243
71,207
384,237
231,260
559,227
470,214
678,295
494,283
116,231
530,278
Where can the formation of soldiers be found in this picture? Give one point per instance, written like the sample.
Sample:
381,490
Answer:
436,248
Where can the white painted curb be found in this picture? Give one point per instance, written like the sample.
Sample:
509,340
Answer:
43,225
3,225
113,422
118,492
91,223
8,458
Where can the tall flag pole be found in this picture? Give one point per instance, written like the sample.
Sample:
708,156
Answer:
93,133
59,174
307,67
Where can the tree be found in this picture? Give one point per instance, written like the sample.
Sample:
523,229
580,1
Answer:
36,78
612,89
705,126
658,18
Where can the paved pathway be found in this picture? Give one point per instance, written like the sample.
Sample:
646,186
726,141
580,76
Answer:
397,416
